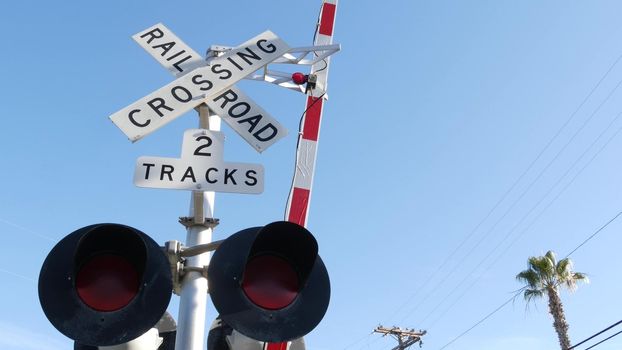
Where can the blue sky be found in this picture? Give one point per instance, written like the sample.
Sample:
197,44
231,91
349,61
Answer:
435,110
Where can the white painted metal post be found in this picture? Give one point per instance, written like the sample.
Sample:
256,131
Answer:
193,296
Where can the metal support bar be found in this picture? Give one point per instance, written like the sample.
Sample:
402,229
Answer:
177,255
201,270
200,249
172,250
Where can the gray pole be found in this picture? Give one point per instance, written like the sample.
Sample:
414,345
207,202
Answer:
200,224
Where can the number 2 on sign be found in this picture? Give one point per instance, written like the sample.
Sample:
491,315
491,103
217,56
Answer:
203,143
199,150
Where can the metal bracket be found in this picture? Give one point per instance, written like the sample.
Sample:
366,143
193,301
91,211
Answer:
202,270
216,50
297,56
199,249
173,250
188,221
177,255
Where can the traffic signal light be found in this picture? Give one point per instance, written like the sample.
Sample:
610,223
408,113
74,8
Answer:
269,283
105,284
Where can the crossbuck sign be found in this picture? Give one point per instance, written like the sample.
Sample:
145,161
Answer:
199,82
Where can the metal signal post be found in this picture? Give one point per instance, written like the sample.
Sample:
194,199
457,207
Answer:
200,225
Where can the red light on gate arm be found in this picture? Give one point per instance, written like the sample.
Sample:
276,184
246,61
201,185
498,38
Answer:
107,282
270,282
299,78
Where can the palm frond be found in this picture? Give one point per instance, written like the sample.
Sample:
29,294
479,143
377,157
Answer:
543,267
571,283
531,294
530,277
563,272
579,276
550,255
564,266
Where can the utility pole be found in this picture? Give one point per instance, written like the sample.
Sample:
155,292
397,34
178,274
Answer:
404,337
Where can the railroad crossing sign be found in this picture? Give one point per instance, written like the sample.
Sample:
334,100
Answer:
239,111
212,83
201,168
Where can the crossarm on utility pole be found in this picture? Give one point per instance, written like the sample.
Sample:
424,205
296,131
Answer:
404,337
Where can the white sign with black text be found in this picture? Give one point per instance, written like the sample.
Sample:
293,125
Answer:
172,53
247,118
188,91
200,168
238,110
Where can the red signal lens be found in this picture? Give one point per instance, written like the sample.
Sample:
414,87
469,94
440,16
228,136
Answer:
107,282
270,282
299,78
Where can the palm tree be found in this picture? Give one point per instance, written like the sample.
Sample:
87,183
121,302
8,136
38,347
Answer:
544,276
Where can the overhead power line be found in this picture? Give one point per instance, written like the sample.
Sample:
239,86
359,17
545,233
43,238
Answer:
26,278
426,281
21,228
523,219
604,340
358,340
480,321
515,202
507,192
594,234
595,335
